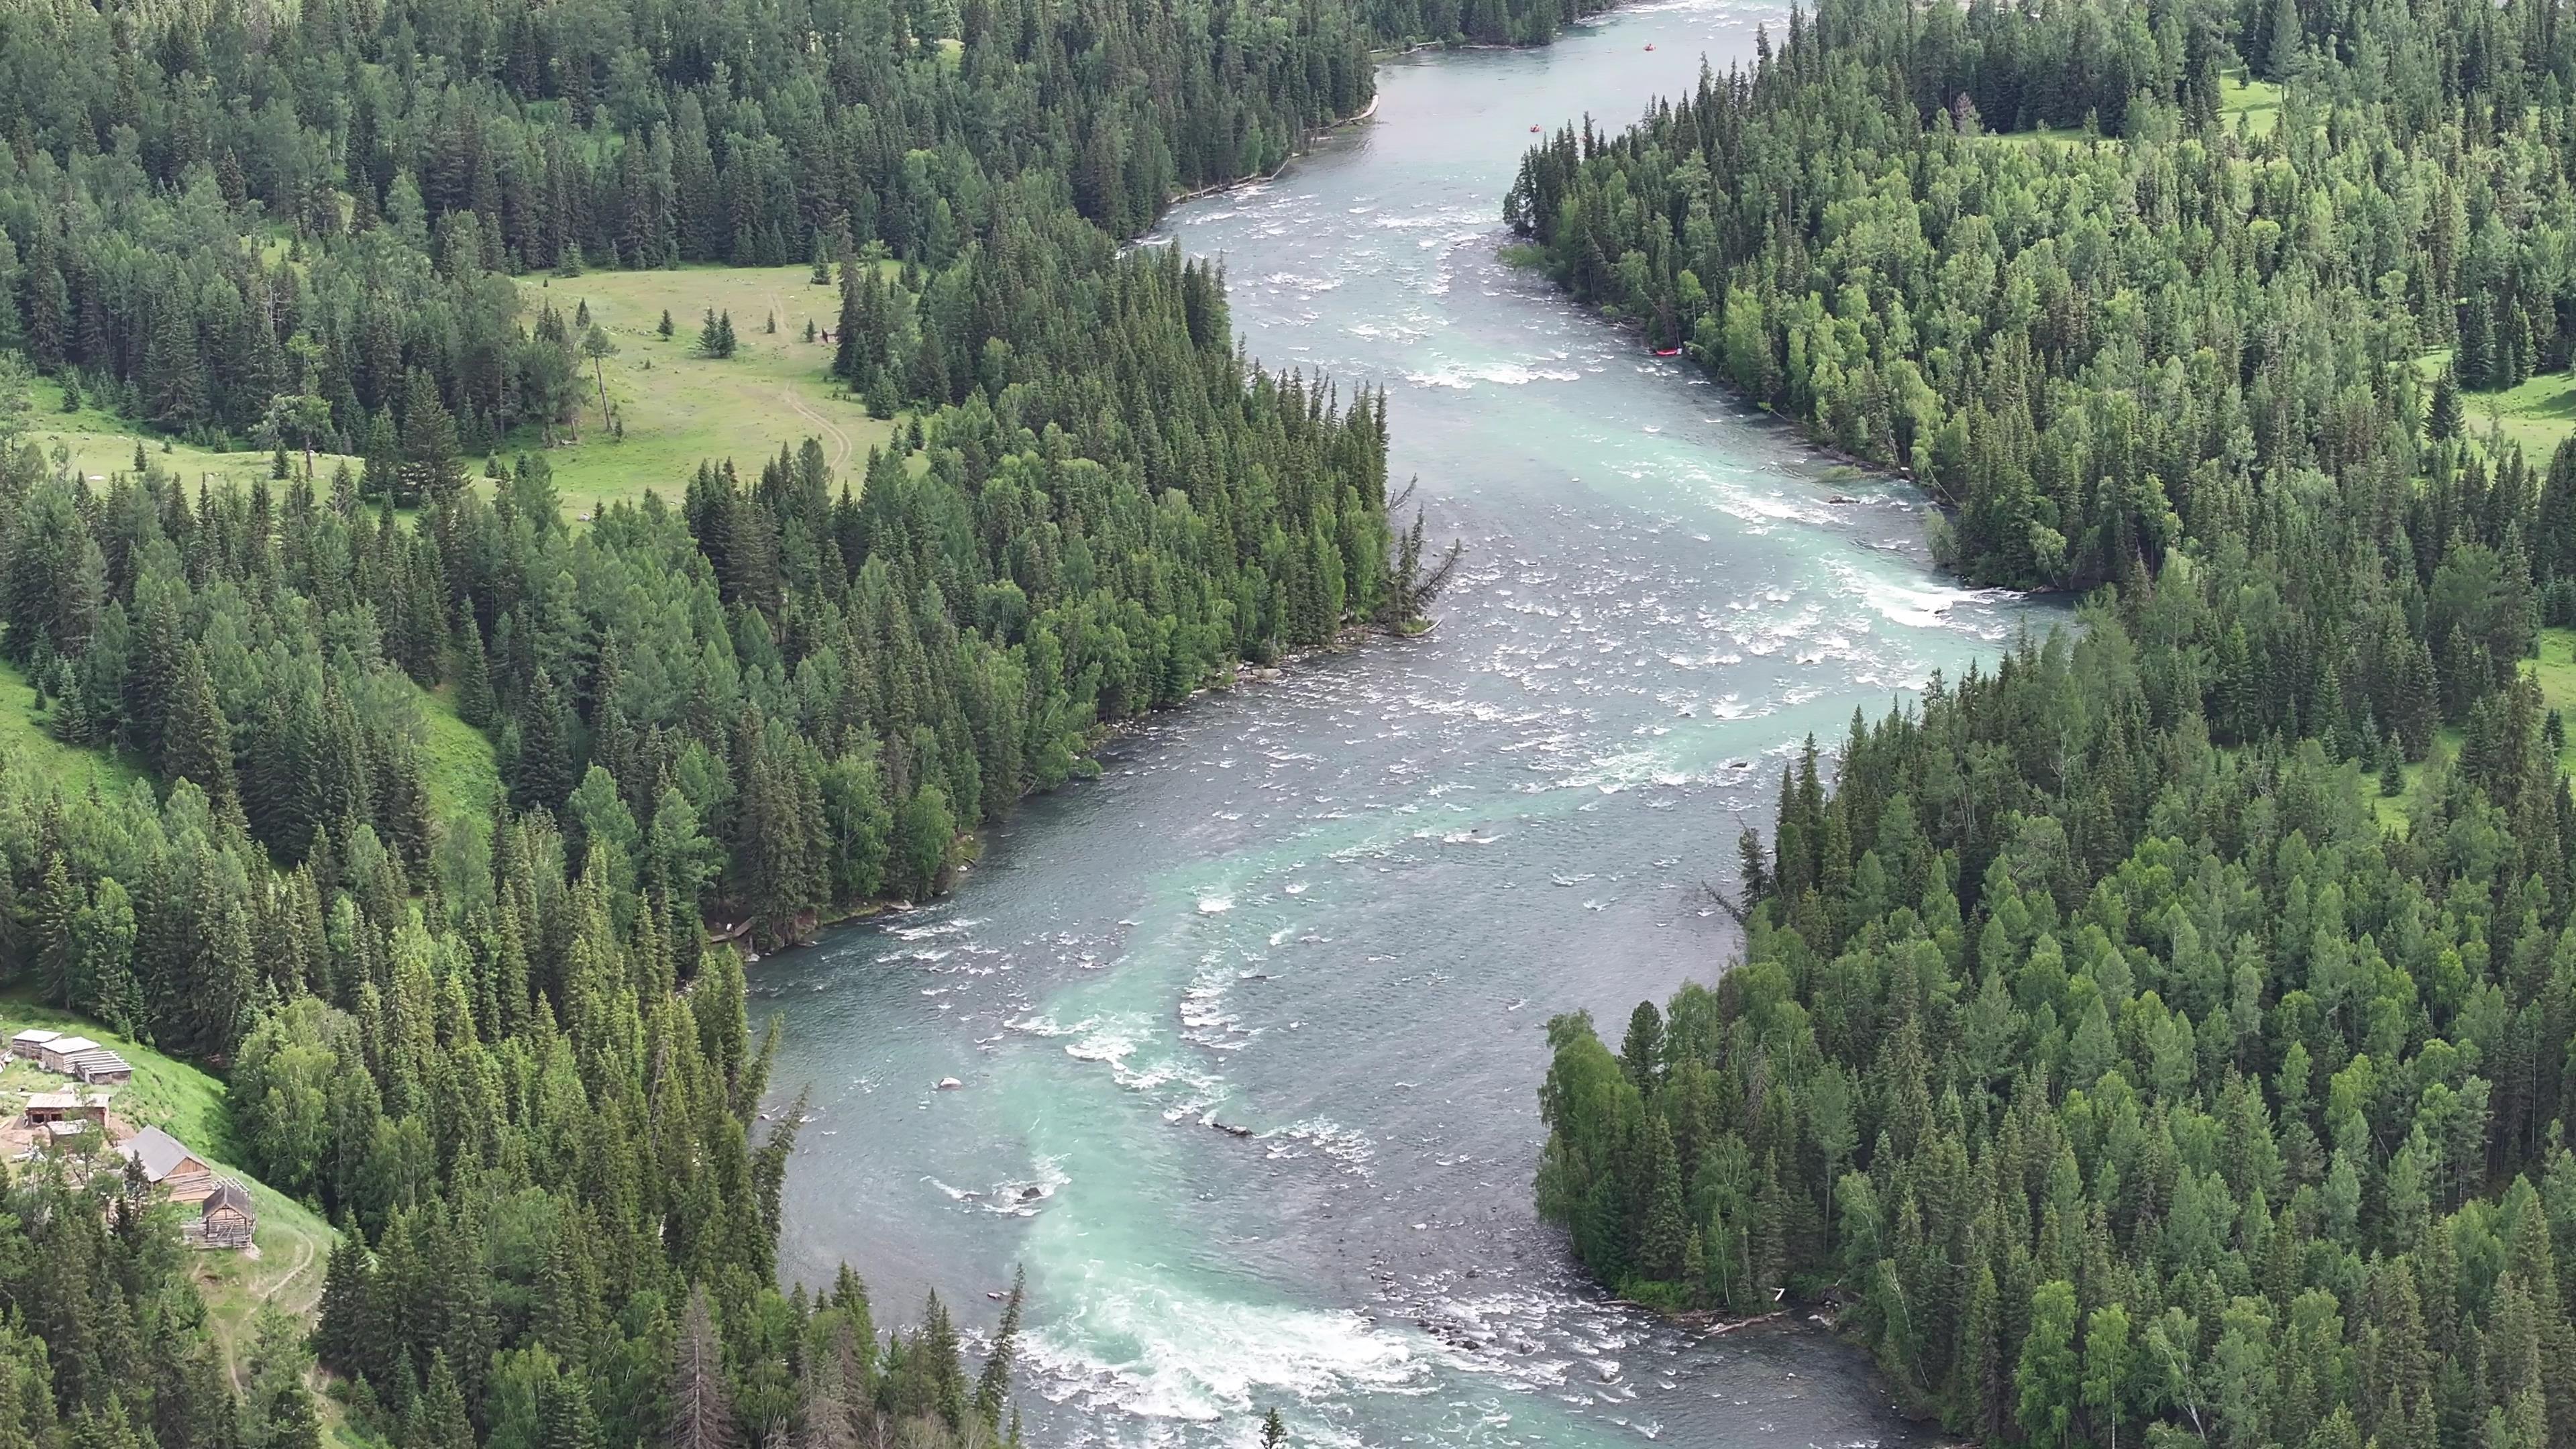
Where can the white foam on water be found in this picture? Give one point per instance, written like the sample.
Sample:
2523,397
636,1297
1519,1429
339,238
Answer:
1147,1351
1345,1145
935,928
1917,602
1215,905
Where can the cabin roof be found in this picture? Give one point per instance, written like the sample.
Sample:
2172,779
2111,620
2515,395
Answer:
35,1036
158,1151
227,1194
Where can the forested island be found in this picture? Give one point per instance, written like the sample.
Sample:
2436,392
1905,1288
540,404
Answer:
434,814
2166,1034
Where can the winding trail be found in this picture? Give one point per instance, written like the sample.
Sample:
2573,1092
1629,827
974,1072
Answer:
303,1259
839,458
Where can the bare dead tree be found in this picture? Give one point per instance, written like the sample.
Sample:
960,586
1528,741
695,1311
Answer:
1410,587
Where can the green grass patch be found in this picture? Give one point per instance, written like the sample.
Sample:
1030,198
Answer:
680,409
2397,812
98,443
2258,102
2536,415
2050,136
75,767
463,777
2555,672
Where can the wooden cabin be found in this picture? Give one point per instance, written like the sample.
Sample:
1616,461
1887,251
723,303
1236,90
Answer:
56,1055
26,1044
169,1166
227,1219
44,1107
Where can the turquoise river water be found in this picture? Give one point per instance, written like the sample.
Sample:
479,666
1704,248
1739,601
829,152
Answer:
1333,912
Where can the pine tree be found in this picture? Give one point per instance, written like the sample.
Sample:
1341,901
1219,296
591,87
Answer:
57,934
431,472
544,771
701,1415
198,743
341,1333
292,1423
1665,1236
473,673
993,1386
442,1417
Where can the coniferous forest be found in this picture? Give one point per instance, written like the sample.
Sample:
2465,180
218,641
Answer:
498,1051
2099,1051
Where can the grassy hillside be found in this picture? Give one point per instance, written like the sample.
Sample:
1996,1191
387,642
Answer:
464,779
680,408
292,1242
2555,670
99,443
22,733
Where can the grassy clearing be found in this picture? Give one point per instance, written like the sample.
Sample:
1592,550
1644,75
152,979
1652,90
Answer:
2555,672
99,442
2051,136
2396,812
2537,415
679,408
463,777
2258,102
23,735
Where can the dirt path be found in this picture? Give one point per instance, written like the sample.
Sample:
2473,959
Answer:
838,456
303,1260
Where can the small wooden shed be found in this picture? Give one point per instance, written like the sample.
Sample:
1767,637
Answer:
27,1043
227,1220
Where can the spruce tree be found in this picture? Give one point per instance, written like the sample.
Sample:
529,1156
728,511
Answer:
993,1386
544,772
198,745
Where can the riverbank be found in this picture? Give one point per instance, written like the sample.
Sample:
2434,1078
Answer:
1304,143
969,845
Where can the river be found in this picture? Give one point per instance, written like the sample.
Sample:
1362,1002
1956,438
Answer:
1334,911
